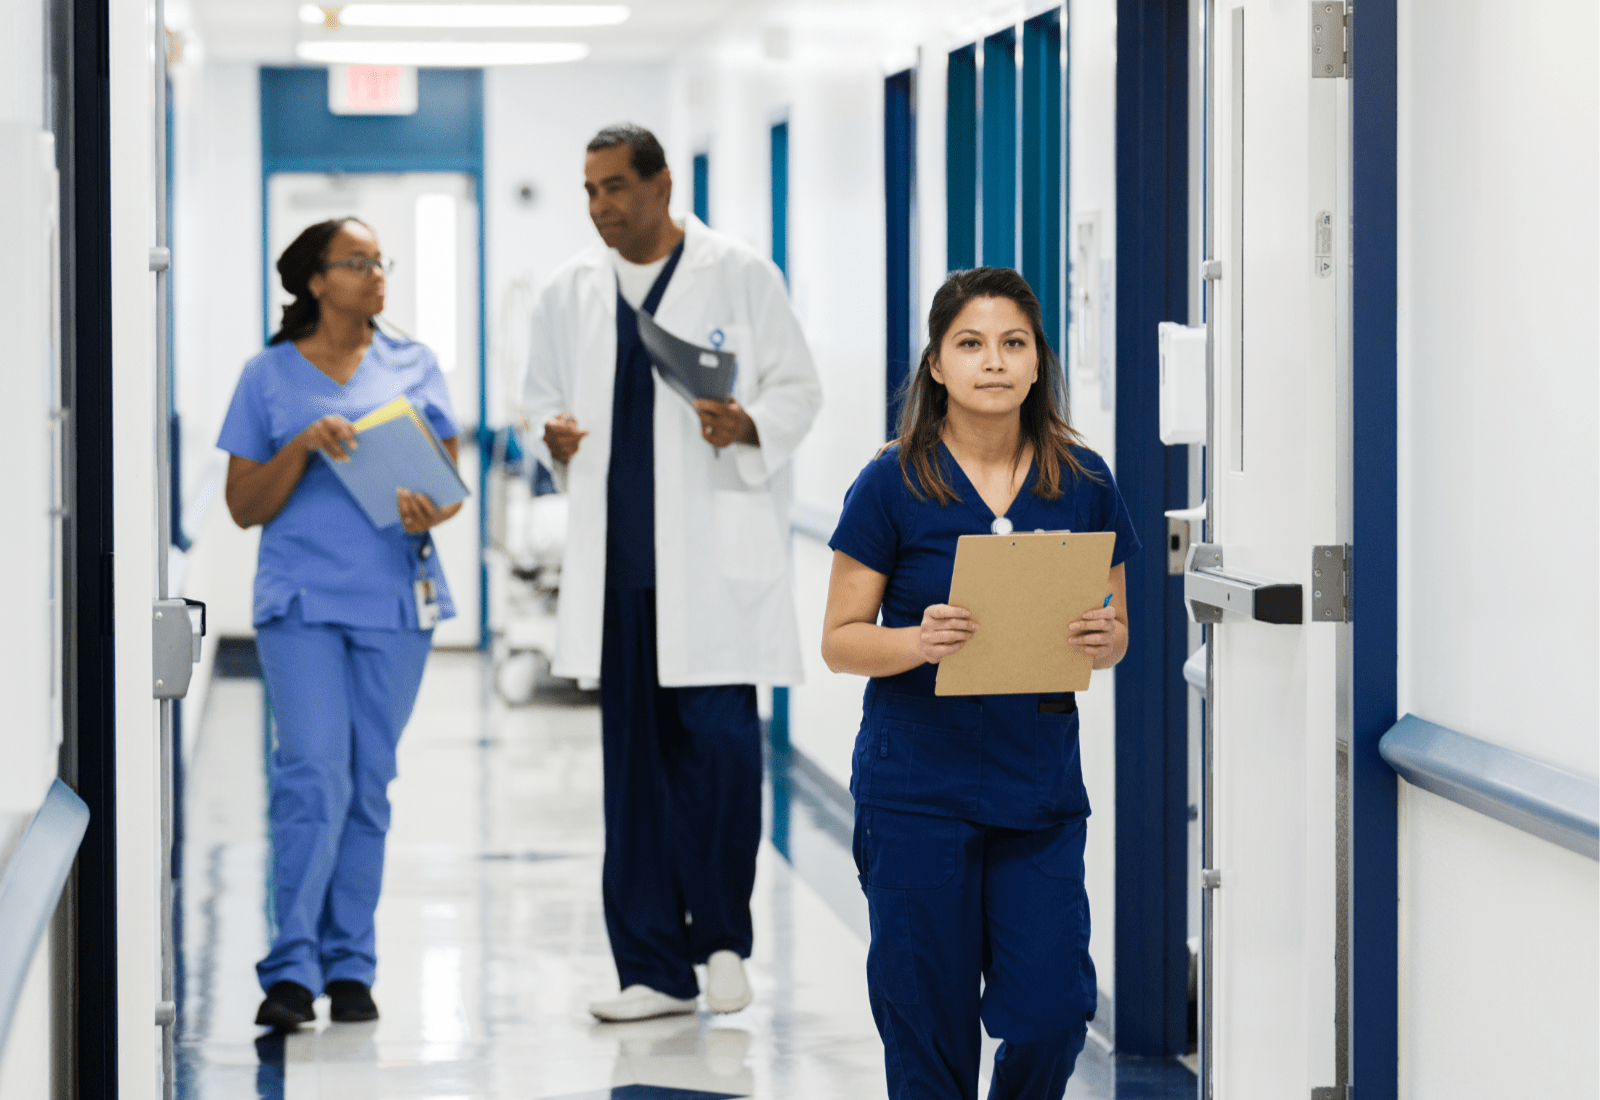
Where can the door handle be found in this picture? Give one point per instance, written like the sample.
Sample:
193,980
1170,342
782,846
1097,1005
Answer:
1209,590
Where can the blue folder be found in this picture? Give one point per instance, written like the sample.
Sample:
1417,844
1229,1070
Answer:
398,455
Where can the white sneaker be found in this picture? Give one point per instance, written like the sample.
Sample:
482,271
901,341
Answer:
727,990
640,1002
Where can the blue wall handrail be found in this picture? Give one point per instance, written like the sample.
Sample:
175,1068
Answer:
30,887
1525,793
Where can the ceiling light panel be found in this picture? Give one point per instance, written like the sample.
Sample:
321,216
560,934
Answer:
466,55
466,16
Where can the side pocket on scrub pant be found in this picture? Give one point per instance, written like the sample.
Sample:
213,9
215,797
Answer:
896,855
749,544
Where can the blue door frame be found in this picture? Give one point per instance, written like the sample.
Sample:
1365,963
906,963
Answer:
961,159
899,175
1374,582
1150,999
998,122
300,134
778,728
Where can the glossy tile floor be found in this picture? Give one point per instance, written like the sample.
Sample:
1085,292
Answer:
490,934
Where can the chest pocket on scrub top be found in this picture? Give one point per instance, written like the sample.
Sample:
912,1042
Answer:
748,542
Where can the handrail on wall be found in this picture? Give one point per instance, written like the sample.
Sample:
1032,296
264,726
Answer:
30,887
816,523
1528,794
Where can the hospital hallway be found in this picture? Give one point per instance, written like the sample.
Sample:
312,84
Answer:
491,940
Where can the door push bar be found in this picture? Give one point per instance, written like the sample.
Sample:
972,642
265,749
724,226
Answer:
1209,590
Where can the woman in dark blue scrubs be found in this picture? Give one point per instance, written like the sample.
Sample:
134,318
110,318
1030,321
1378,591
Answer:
971,810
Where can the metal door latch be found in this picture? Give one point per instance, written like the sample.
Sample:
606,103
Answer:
1209,590
175,637
1330,584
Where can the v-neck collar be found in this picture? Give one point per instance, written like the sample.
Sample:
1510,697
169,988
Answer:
342,387
969,492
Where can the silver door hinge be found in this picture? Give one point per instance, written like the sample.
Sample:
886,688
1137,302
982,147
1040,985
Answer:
160,259
1330,584
1210,879
1331,1092
175,646
1330,39
1210,270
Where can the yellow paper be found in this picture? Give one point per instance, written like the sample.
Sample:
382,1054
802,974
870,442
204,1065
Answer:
395,409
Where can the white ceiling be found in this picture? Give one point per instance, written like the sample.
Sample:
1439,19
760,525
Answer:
268,30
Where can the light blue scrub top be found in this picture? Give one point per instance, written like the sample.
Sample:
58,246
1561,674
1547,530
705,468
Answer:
322,548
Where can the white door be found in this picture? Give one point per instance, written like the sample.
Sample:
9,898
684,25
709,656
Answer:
1279,230
427,222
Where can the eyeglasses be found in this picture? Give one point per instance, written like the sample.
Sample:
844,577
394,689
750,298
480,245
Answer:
364,265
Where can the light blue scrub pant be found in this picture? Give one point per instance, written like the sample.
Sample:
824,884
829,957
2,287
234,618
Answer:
340,697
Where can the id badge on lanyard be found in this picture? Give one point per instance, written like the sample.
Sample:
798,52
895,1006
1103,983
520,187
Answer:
426,589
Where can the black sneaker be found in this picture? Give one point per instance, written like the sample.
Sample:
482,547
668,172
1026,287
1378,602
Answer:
350,1002
288,1005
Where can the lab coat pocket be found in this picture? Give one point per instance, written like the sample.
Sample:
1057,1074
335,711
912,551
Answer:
748,543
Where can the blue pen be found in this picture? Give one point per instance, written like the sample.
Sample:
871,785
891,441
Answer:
1108,600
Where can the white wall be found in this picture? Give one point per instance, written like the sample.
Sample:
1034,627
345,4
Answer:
1499,169
216,279
537,121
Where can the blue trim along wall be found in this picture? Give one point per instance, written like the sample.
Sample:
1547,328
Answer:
1152,249
1374,840
899,169
780,197
1041,166
702,187
999,122
300,134
778,728
961,159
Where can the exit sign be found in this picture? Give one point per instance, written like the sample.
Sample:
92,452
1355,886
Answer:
372,89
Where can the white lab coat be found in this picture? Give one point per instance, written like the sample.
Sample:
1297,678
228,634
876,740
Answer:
725,609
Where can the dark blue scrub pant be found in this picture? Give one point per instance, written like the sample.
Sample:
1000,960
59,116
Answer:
952,901
340,697
682,805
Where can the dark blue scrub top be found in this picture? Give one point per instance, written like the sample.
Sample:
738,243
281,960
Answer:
631,477
993,759
322,549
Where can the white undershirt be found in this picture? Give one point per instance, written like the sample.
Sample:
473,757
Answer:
635,280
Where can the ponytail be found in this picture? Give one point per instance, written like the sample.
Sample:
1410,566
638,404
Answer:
306,256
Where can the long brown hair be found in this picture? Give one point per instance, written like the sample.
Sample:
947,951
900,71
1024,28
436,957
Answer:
1045,417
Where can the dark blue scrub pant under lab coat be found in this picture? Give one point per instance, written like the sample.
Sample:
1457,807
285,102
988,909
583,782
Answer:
950,901
682,765
340,697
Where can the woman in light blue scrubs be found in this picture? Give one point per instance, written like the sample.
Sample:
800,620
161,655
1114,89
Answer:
343,613
971,810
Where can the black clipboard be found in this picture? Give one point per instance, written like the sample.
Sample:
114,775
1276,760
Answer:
695,372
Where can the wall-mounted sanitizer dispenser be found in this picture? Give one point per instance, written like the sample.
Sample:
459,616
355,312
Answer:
1183,383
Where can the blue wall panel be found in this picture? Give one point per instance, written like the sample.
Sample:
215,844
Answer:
780,197
999,112
1041,166
702,187
899,168
961,160
1152,249
299,133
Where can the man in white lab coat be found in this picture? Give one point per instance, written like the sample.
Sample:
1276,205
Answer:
675,589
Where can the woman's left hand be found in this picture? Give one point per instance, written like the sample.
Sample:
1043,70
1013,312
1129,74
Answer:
1095,635
418,513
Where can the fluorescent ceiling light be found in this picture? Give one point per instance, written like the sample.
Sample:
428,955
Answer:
465,55
465,15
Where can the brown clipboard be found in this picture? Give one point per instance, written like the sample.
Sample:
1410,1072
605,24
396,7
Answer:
1023,590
